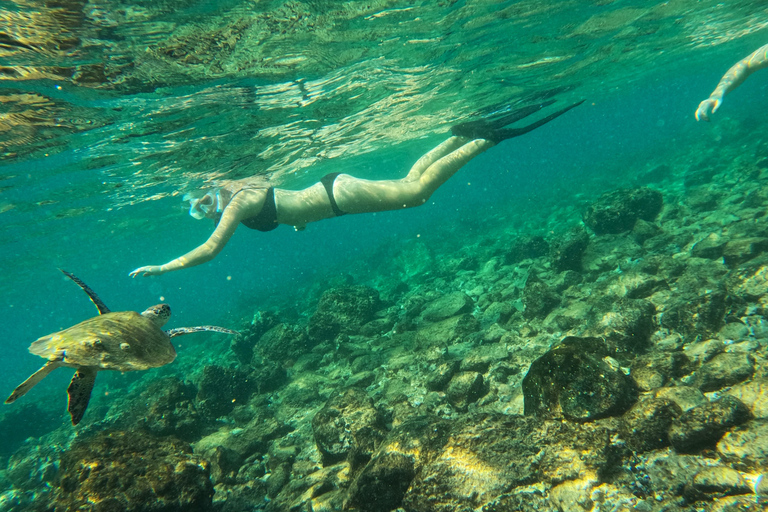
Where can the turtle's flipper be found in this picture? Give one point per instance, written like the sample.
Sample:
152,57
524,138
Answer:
94,298
33,379
189,330
79,392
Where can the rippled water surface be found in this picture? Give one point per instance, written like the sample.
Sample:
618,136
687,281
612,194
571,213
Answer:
112,110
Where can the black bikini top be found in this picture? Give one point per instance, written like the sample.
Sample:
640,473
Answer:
266,220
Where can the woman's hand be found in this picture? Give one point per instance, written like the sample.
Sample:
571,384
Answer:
708,106
150,270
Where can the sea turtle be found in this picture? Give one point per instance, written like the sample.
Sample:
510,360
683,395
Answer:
122,341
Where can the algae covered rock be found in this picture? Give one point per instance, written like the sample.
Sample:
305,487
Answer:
343,310
644,427
539,298
449,305
485,457
566,252
746,445
383,482
703,425
242,346
168,407
348,427
133,472
574,380
220,389
282,342
618,210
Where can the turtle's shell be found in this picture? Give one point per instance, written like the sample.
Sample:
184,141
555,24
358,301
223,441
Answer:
122,341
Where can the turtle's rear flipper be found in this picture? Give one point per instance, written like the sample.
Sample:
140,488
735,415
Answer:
79,392
33,379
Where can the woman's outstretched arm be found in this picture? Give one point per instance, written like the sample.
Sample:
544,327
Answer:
241,207
731,80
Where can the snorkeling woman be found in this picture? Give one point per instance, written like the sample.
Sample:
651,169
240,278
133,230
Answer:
264,207
731,80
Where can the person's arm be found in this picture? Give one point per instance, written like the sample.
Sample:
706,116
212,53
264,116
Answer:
235,212
731,80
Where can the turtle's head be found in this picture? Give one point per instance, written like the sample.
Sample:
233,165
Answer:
158,314
208,205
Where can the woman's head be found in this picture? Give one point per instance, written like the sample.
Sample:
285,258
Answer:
210,205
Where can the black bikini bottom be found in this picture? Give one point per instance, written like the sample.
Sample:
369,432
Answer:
327,182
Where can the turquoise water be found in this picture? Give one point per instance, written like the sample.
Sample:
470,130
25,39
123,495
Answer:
111,111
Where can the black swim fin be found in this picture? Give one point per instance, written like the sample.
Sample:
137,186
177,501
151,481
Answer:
492,128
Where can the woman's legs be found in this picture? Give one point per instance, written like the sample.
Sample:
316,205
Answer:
354,195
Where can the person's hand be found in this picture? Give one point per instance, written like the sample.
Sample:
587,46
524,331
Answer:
149,270
708,106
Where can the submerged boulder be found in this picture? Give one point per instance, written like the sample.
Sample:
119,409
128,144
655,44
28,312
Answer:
343,310
348,427
618,210
575,381
132,472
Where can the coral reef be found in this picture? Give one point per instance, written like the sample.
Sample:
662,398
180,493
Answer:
621,366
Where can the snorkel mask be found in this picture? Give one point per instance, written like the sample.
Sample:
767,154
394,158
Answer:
204,206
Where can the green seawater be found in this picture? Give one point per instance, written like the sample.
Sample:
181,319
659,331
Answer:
111,111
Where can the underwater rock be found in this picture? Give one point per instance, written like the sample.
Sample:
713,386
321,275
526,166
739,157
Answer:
133,472
464,389
636,285
321,489
348,427
442,375
383,482
566,252
685,396
267,376
711,247
283,342
746,446
754,394
736,252
228,448
626,324
644,427
573,380
220,389
644,231
487,456
655,369
167,407
618,210
342,310
34,466
538,298
725,369
242,346
525,247
449,305
716,482
445,332
702,426
696,317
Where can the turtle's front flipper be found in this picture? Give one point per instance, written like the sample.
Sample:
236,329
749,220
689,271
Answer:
188,330
33,379
94,298
79,392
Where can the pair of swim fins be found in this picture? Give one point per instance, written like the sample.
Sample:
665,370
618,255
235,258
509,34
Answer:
495,127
